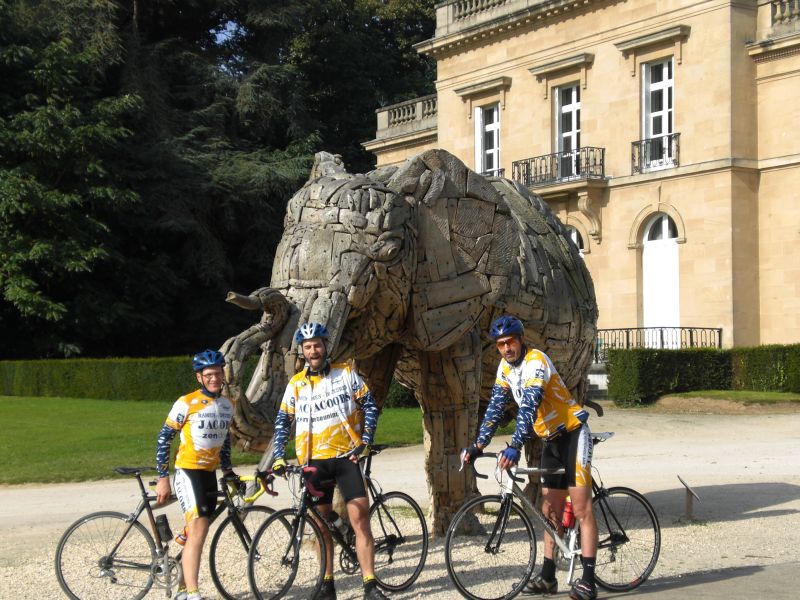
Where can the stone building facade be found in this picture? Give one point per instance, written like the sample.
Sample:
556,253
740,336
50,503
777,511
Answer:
664,133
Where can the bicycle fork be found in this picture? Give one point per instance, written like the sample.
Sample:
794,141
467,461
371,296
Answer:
499,528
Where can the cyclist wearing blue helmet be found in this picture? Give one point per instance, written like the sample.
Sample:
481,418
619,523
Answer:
546,409
202,418
336,417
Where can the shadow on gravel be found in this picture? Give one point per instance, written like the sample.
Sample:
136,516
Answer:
697,578
730,502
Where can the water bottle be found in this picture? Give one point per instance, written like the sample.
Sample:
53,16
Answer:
337,521
162,525
568,517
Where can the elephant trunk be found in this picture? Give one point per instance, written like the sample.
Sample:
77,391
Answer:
249,425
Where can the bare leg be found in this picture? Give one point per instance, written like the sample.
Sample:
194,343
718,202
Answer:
582,505
196,532
325,510
358,512
552,507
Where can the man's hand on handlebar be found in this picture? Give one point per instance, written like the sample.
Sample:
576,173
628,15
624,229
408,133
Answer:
279,467
469,455
360,452
508,458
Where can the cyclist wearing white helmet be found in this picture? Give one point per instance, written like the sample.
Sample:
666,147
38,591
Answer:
546,409
203,418
335,418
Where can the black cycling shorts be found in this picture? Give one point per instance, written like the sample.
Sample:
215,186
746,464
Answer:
341,471
573,452
196,491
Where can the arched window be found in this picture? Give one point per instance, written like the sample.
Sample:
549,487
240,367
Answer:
576,237
660,273
661,227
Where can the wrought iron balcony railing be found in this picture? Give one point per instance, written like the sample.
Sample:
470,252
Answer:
583,163
655,337
652,154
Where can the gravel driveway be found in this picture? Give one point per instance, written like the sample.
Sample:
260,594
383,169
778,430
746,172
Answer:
743,466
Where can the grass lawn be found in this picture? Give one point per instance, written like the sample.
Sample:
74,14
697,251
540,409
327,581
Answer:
69,439
745,396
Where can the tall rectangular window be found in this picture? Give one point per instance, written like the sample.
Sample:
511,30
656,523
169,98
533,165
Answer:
487,139
568,130
658,114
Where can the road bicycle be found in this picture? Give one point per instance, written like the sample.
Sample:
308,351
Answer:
111,555
490,546
285,559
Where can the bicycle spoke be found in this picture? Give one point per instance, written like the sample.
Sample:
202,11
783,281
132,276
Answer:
229,550
490,550
282,565
401,540
86,567
629,539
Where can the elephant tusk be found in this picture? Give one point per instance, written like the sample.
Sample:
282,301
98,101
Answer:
269,300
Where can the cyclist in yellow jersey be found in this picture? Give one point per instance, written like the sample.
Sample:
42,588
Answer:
203,419
335,416
548,410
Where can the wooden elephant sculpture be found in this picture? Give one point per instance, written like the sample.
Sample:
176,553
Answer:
407,266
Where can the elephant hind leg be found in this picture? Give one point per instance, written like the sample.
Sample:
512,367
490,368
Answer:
448,393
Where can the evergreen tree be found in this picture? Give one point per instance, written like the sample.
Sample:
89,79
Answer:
147,151
56,127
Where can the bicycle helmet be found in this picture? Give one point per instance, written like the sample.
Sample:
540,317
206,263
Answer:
207,358
506,325
310,330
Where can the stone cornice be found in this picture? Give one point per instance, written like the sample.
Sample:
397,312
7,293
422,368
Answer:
489,86
775,48
484,87
543,71
414,138
480,33
642,41
675,35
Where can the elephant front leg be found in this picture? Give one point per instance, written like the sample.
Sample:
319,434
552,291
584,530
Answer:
448,393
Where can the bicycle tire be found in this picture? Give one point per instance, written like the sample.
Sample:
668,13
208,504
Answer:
629,539
282,566
478,572
227,555
401,540
84,568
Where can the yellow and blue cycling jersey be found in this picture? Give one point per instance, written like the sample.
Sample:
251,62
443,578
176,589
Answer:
546,406
203,422
333,412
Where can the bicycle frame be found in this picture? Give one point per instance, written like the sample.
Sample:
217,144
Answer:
162,547
304,506
509,488
566,542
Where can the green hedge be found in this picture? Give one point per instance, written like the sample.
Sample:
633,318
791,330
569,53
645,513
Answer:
641,375
110,378
762,368
123,379
399,397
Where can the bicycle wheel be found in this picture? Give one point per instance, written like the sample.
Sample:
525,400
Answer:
490,548
227,556
285,559
89,567
401,540
629,539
